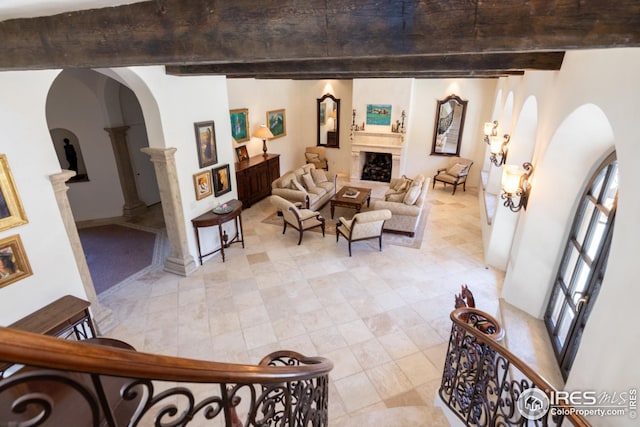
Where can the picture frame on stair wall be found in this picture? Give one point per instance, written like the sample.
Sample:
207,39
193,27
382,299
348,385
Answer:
11,211
14,264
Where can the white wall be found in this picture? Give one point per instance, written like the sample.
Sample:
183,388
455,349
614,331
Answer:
427,92
32,158
586,109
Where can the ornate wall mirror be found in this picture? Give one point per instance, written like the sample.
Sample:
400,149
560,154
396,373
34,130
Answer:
447,136
329,121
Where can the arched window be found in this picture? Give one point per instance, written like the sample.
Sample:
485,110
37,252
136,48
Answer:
583,264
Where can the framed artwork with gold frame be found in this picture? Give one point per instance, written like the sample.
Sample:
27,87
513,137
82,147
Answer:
11,210
202,184
14,264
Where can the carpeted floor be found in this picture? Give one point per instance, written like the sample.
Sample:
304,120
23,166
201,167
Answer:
115,252
330,227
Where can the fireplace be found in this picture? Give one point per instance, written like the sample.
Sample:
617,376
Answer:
366,145
377,167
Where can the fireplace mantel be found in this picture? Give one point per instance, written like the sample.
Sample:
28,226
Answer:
362,137
377,142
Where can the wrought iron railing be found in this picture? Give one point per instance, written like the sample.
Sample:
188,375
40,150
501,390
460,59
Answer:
482,381
102,382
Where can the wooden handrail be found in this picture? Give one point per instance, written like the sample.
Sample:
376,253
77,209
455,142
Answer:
49,352
478,369
285,385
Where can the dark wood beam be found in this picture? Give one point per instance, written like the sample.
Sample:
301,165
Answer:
181,32
487,63
381,75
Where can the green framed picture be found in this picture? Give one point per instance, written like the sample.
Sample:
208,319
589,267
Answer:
277,123
240,124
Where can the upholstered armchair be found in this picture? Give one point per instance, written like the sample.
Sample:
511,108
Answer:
455,173
317,156
363,226
300,219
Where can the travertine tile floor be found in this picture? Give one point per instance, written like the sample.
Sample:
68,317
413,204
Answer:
381,317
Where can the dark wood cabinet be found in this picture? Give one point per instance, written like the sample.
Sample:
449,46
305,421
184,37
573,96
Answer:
254,177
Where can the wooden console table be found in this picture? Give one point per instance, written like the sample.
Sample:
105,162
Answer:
254,177
210,219
60,318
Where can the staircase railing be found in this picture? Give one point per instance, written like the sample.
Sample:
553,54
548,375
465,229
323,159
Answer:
55,382
482,381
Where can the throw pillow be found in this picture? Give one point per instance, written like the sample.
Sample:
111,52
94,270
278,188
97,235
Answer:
395,197
298,186
318,176
412,194
285,181
308,181
456,169
403,184
312,157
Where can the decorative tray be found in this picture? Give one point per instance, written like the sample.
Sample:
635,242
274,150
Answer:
224,209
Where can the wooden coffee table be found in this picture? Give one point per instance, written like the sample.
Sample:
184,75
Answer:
340,199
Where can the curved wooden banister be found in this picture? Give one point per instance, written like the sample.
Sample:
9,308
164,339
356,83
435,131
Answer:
49,352
482,379
105,385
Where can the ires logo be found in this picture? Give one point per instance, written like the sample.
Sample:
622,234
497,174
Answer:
534,404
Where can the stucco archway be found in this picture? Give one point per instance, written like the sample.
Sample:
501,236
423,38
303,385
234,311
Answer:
579,144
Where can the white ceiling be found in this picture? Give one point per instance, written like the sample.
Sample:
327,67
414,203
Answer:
10,9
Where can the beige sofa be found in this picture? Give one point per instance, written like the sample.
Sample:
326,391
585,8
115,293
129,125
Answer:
312,187
405,207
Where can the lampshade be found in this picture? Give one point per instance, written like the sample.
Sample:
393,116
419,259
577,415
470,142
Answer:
263,132
488,128
495,144
511,175
334,114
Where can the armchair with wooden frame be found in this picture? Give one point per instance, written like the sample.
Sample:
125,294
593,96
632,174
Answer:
300,219
363,226
455,173
317,156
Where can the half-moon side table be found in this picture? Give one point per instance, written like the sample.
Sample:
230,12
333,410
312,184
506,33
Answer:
210,219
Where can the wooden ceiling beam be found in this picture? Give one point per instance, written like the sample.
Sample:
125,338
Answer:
410,65
379,75
181,32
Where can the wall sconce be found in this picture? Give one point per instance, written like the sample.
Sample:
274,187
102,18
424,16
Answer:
263,133
499,148
515,184
490,129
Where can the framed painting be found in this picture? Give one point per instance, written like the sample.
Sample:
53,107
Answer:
14,264
242,153
202,184
240,124
277,122
206,143
11,210
221,180
322,113
378,114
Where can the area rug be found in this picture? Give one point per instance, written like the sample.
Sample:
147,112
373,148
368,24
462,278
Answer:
115,252
387,238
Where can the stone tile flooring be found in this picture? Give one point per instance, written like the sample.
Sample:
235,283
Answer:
381,317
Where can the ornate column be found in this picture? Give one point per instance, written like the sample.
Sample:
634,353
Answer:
132,203
179,260
103,317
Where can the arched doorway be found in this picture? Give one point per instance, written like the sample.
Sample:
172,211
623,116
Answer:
119,182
